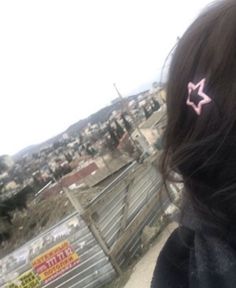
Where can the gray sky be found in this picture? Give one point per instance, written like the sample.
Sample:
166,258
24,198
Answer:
58,59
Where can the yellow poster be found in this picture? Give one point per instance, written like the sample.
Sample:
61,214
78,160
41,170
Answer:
55,262
26,280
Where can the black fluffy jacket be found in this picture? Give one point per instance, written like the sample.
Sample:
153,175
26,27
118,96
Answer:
197,255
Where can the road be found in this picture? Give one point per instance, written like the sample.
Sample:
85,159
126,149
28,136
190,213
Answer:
142,272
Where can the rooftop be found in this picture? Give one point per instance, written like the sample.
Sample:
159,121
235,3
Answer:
156,118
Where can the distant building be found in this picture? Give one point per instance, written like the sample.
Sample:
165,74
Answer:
159,94
141,141
151,129
142,103
11,186
65,136
132,103
7,161
4,175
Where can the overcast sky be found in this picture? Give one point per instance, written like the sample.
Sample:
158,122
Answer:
58,59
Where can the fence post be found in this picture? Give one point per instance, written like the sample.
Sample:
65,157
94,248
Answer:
126,207
93,229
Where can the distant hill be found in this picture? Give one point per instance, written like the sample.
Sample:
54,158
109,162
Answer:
100,116
28,150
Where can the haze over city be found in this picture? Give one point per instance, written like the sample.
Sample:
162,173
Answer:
59,59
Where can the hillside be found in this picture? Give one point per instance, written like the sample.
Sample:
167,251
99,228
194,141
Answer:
100,116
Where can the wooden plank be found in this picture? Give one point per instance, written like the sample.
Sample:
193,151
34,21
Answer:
93,229
104,247
126,208
133,227
74,201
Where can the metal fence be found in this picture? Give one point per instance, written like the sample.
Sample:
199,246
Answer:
121,211
104,235
93,269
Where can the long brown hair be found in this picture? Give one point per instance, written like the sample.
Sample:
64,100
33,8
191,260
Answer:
203,148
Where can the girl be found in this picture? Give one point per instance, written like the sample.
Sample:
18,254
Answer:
200,145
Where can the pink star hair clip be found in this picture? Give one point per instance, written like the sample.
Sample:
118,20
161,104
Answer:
196,91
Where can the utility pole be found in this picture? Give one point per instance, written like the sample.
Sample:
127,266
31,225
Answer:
127,109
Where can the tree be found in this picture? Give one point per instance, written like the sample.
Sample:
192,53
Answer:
81,139
90,150
56,145
156,106
127,125
68,157
146,113
119,129
113,136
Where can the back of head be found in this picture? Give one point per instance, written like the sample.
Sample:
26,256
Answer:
202,148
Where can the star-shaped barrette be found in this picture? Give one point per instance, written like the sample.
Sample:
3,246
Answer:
196,91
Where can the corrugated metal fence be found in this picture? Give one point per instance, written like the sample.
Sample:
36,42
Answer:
94,267
121,212
104,234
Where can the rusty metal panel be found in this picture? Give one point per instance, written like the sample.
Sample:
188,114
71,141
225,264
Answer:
93,270
143,183
113,212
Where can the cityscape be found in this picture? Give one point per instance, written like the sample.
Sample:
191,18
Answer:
46,183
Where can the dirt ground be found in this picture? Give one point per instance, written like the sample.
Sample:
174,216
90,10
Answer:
141,275
38,217
43,213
